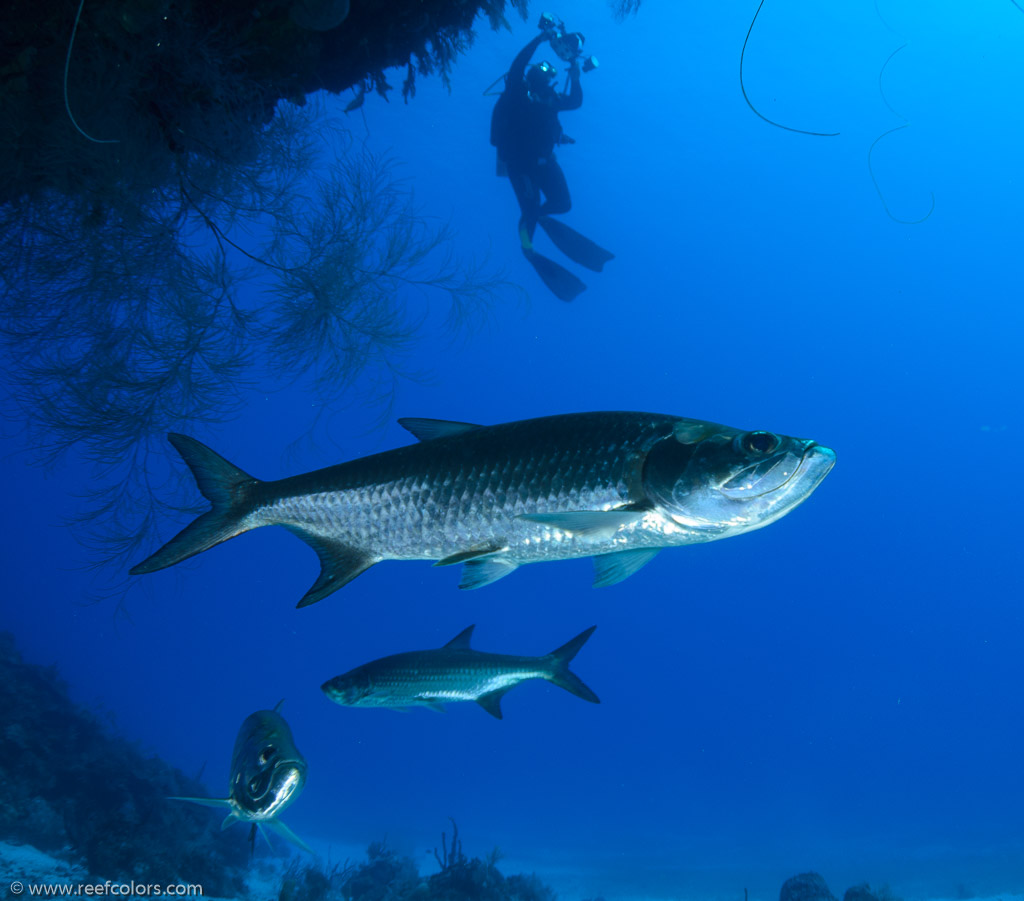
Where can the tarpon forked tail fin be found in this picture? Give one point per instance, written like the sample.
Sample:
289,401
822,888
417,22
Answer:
560,659
230,491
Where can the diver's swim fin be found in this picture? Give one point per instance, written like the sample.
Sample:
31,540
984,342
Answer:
562,283
575,246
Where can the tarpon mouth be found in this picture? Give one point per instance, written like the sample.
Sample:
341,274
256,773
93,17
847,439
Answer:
815,453
815,463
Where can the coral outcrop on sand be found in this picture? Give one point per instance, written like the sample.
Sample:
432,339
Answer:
67,782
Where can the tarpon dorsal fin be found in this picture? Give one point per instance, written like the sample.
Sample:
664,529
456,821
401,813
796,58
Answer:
609,569
461,641
429,429
277,706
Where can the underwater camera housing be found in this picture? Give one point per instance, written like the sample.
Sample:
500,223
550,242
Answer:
568,45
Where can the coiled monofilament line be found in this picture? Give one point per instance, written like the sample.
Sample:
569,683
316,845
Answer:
881,196
67,66
799,131
871,149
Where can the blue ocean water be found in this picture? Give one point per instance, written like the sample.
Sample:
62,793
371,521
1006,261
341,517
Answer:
840,691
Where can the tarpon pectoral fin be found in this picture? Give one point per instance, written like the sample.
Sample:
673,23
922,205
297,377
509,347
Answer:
230,820
480,550
462,639
429,429
484,570
339,564
491,702
436,706
586,523
279,828
609,569
219,803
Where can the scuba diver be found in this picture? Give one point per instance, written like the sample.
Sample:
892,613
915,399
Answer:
525,130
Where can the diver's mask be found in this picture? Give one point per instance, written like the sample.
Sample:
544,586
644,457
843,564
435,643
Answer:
540,80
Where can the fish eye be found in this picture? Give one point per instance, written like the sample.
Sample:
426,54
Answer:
760,442
266,754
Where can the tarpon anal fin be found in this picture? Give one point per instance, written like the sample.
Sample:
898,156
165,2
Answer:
461,641
586,523
491,702
339,564
610,569
480,550
429,429
484,570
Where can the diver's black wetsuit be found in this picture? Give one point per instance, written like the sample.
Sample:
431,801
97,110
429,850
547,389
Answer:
525,130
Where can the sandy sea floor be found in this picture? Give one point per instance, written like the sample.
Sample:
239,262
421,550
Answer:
30,867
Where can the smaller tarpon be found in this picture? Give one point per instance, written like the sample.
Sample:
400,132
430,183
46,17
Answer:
454,672
267,774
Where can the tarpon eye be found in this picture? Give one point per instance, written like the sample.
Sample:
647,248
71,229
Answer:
266,754
760,442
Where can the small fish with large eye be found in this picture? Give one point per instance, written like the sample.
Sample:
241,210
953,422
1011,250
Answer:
267,775
614,486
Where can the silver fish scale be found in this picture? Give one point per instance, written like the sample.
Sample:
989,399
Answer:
448,495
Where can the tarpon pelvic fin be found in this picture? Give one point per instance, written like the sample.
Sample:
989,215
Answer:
340,563
610,569
429,429
233,817
279,828
484,570
225,486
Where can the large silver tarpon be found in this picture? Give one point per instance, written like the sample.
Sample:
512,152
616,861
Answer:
614,486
